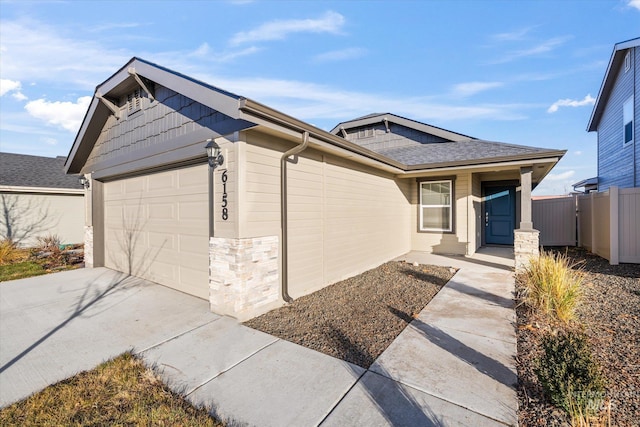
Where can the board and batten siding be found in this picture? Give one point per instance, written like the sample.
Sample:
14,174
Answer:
343,218
462,241
615,161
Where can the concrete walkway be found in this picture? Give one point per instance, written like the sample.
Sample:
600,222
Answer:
453,365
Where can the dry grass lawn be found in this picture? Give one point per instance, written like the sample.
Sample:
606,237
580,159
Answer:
121,391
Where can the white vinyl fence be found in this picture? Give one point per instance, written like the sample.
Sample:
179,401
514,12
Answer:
604,223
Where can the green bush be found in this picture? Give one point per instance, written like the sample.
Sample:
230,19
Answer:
552,286
569,375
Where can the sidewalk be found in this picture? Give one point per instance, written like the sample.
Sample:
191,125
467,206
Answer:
453,365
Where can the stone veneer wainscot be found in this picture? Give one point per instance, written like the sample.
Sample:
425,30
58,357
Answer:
244,279
526,245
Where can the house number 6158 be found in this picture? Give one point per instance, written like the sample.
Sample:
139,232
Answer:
225,211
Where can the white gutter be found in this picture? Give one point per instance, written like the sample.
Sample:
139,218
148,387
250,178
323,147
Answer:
41,190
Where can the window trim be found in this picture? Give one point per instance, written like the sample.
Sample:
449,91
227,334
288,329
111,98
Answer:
628,105
451,206
627,61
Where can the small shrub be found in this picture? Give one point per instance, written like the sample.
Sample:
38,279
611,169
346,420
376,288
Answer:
49,243
569,375
552,286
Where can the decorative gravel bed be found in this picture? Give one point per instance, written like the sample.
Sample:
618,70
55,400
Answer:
610,313
356,319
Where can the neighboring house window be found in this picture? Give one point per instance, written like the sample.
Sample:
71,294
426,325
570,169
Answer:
435,205
627,111
627,61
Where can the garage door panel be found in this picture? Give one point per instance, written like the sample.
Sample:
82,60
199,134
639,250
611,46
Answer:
156,226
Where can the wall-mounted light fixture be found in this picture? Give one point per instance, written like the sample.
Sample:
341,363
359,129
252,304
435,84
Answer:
83,181
213,153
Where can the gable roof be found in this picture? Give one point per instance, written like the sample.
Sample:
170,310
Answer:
247,113
375,118
456,149
21,170
617,58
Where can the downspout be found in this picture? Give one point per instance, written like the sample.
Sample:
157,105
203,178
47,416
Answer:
283,213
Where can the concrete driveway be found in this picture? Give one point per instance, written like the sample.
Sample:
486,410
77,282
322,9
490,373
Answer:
53,326
452,366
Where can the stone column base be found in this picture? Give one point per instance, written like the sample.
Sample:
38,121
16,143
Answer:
526,245
88,246
244,279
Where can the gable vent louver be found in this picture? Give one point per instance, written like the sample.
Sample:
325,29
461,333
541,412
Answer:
134,101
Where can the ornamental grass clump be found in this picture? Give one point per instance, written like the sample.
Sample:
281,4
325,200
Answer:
553,286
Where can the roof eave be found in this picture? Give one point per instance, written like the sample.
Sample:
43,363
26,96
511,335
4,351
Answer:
492,160
224,102
608,81
255,109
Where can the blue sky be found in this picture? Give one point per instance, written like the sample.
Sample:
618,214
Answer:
523,72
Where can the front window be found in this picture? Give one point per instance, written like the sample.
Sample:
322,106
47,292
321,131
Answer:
435,205
628,121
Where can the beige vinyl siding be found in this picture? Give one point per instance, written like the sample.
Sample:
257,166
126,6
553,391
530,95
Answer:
343,218
46,214
156,227
367,219
439,242
260,203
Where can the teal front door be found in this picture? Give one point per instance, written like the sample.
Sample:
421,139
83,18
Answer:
500,214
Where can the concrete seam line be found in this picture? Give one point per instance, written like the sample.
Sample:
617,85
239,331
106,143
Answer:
443,399
342,397
176,336
231,367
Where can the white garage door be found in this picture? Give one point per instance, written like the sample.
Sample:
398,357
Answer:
156,227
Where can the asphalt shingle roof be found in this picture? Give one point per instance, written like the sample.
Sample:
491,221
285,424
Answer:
21,170
456,152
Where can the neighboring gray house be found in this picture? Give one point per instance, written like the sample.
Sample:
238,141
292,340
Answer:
38,199
616,119
289,208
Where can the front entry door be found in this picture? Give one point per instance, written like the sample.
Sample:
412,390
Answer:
499,220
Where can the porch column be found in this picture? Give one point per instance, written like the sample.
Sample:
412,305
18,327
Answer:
526,240
525,193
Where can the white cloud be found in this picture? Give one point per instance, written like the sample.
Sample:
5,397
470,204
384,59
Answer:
588,100
33,51
578,153
634,4
49,141
471,88
340,55
560,176
513,35
310,101
331,22
13,87
7,86
64,114
544,47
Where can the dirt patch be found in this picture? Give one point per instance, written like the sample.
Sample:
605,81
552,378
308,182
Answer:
356,319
